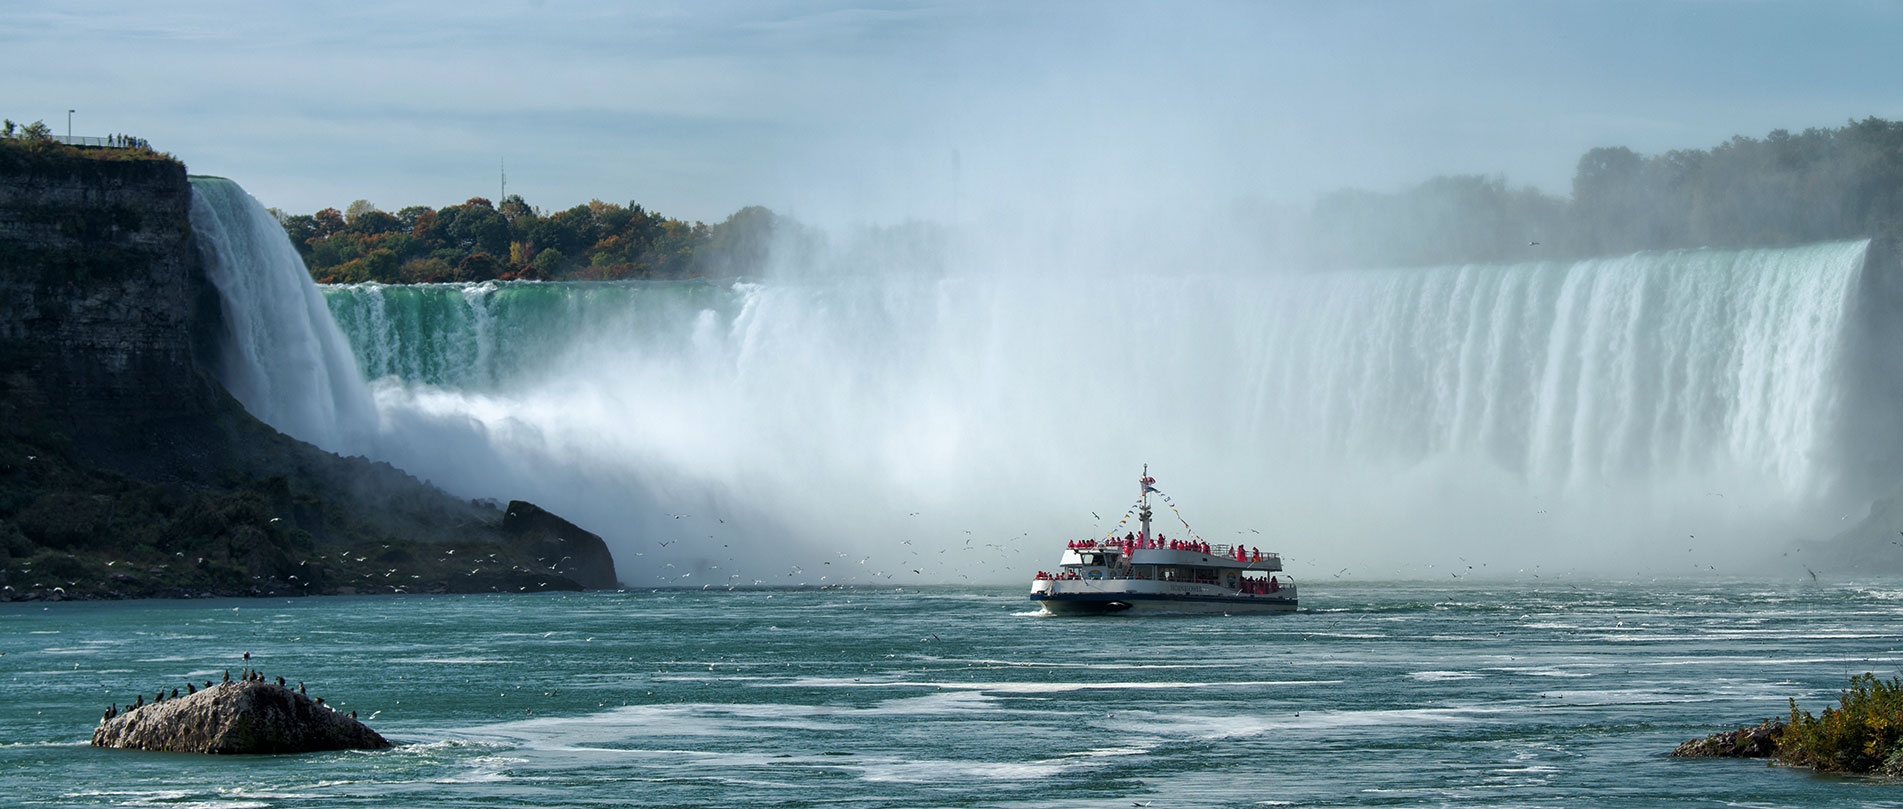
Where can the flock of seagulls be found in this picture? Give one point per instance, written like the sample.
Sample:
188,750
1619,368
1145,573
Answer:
245,675
1000,561
735,563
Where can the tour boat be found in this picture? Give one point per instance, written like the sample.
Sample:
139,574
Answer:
1144,571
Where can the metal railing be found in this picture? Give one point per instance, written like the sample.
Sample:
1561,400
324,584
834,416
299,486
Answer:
107,142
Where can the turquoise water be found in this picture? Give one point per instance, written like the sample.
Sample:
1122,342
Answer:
1382,694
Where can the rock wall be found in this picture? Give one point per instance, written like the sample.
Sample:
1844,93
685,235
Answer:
99,287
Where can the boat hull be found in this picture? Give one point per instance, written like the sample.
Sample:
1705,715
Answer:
1101,603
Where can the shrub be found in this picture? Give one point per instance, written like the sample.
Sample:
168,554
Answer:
1859,735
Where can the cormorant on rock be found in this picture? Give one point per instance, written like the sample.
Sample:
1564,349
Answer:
160,698
174,693
207,683
227,675
353,714
112,711
320,700
280,681
300,687
191,689
139,701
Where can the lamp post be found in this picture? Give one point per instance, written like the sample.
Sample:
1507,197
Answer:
69,124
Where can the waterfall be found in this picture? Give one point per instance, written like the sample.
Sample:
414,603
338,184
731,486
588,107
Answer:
1569,408
282,355
1652,413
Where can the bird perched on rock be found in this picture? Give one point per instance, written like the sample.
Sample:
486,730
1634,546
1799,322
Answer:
300,688
280,682
174,693
191,689
227,675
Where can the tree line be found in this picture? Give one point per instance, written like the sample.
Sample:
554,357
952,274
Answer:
1818,185
480,241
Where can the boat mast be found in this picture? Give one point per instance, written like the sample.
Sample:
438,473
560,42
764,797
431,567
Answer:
1144,512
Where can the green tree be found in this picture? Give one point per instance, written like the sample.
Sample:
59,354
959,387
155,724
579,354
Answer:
548,263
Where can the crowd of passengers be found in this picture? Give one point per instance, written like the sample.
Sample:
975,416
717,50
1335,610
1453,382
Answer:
1136,541
1133,542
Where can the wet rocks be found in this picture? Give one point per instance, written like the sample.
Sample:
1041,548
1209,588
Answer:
1748,742
236,717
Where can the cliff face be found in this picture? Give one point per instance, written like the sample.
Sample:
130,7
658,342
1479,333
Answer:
98,287
126,471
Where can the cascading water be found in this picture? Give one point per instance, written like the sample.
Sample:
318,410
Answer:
282,356
1650,413
1553,413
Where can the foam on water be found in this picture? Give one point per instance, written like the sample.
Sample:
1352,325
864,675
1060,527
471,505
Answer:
860,714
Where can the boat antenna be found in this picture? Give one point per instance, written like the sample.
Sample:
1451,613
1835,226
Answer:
1144,512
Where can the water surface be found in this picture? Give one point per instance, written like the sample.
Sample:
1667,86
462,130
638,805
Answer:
1375,694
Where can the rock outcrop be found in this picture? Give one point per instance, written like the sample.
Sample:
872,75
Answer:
560,545
1748,742
240,717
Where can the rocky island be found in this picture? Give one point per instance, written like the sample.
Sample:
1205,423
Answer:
127,471
251,715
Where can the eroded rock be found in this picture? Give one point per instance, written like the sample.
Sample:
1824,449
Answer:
1750,742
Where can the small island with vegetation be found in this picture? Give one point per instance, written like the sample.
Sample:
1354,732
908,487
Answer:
1863,735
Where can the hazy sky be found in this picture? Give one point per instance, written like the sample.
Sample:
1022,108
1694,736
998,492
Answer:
867,111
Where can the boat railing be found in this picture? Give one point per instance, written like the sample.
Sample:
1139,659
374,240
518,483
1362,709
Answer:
1280,588
1225,551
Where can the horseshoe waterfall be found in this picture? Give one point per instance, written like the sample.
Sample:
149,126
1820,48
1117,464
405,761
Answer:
1653,412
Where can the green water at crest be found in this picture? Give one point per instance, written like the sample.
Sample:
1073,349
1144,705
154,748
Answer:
1527,694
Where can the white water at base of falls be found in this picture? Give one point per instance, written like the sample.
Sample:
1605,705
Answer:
1656,414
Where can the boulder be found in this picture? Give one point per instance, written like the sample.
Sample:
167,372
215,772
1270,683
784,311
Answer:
1748,742
240,717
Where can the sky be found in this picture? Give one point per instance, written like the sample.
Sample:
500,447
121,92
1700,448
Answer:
869,112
